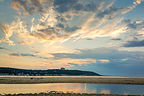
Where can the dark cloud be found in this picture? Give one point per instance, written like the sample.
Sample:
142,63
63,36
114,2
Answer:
62,6
64,2
89,38
71,29
134,43
60,25
31,6
49,33
2,48
117,39
42,57
14,54
109,13
22,54
136,24
27,54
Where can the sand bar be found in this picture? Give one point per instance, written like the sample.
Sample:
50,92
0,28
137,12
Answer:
70,79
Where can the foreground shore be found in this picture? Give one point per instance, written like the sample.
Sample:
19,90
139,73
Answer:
69,79
54,93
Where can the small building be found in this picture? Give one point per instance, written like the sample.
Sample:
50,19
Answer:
62,68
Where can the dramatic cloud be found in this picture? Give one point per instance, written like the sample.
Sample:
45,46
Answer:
61,20
61,33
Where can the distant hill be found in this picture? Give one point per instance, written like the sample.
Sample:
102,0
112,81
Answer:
49,72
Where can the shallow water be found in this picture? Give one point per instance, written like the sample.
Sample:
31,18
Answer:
73,87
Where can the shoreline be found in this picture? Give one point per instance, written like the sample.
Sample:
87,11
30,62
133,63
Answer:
55,93
70,79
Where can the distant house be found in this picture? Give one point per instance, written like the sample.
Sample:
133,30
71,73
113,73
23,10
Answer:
62,68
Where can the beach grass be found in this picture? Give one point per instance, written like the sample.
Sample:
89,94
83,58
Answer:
55,93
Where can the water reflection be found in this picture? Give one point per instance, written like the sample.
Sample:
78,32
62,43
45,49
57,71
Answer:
72,87
105,91
36,88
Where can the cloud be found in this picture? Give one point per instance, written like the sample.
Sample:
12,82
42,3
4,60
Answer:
70,61
16,27
117,39
31,6
138,24
5,28
104,55
117,62
124,63
104,60
134,43
15,54
27,55
22,55
25,42
110,13
2,48
134,36
130,8
61,20
63,6
124,59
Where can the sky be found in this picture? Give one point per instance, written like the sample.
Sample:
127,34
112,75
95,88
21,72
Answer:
103,36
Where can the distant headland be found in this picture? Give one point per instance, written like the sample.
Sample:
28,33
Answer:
49,72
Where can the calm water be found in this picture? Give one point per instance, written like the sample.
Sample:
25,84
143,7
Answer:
72,87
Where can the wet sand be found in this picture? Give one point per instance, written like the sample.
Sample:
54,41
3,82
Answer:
69,79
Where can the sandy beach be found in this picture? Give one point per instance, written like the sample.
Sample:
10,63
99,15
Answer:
70,79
